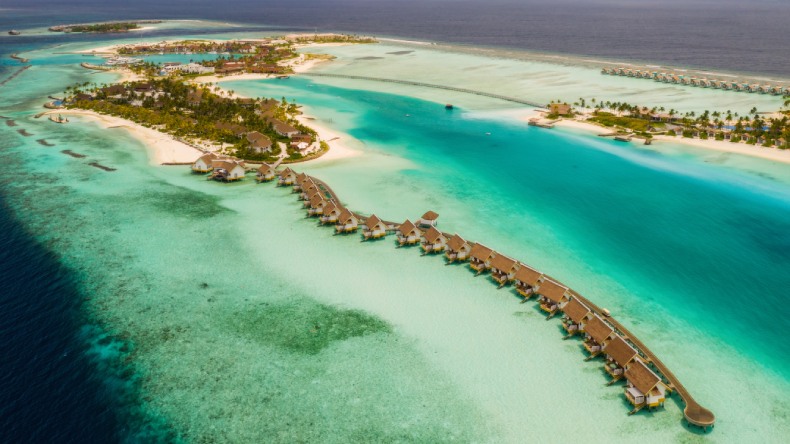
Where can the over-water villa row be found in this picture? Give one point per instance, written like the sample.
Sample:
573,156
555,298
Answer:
647,380
682,79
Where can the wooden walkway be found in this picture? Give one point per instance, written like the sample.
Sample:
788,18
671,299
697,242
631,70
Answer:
430,85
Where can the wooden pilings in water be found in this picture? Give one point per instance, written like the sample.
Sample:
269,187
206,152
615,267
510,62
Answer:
44,142
73,154
12,76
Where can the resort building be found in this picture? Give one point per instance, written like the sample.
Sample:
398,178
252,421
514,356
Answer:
259,143
562,109
265,173
287,177
300,178
308,187
310,196
317,204
645,388
408,233
284,129
526,279
598,335
503,269
457,249
576,317
204,164
480,258
227,170
428,219
375,228
331,213
433,241
619,354
553,296
346,222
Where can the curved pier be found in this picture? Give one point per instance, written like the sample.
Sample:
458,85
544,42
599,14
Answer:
693,412
430,85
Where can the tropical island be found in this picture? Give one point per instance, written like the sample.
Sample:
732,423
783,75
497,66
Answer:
104,27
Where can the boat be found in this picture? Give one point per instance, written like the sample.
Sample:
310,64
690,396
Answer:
448,106
14,32
58,119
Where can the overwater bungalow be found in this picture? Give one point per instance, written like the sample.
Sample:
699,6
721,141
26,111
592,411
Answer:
300,179
619,354
227,170
577,315
526,279
597,334
457,249
204,164
287,177
408,234
316,205
433,241
374,228
428,219
553,297
503,269
265,173
346,222
330,213
307,189
480,258
644,388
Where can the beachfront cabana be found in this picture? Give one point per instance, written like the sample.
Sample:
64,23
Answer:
330,213
265,173
317,204
553,296
227,170
287,177
480,258
457,249
597,335
375,228
526,279
204,164
577,315
619,354
429,219
644,388
433,241
408,233
346,222
503,269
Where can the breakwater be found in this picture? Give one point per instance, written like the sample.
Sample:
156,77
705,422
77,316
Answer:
16,73
520,101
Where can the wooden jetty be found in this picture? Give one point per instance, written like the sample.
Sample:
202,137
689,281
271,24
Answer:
649,379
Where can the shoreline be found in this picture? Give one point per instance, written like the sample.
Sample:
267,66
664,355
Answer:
772,154
162,148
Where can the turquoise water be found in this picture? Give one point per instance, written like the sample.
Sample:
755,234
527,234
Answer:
242,319
707,244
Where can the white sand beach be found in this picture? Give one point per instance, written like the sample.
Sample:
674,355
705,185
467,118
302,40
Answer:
162,147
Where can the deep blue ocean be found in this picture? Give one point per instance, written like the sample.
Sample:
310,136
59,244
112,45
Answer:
51,390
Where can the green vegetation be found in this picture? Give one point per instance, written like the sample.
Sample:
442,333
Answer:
200,113
632,123
107,27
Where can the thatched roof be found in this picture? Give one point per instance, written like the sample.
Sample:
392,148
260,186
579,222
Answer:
265,168
432,235
552,290
407,228
481,252
456,242
620,351
373,221
641,376
575,310
528,275
503,263
345,216
316,200
430,215
287,172
331,207
207,158
598,329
